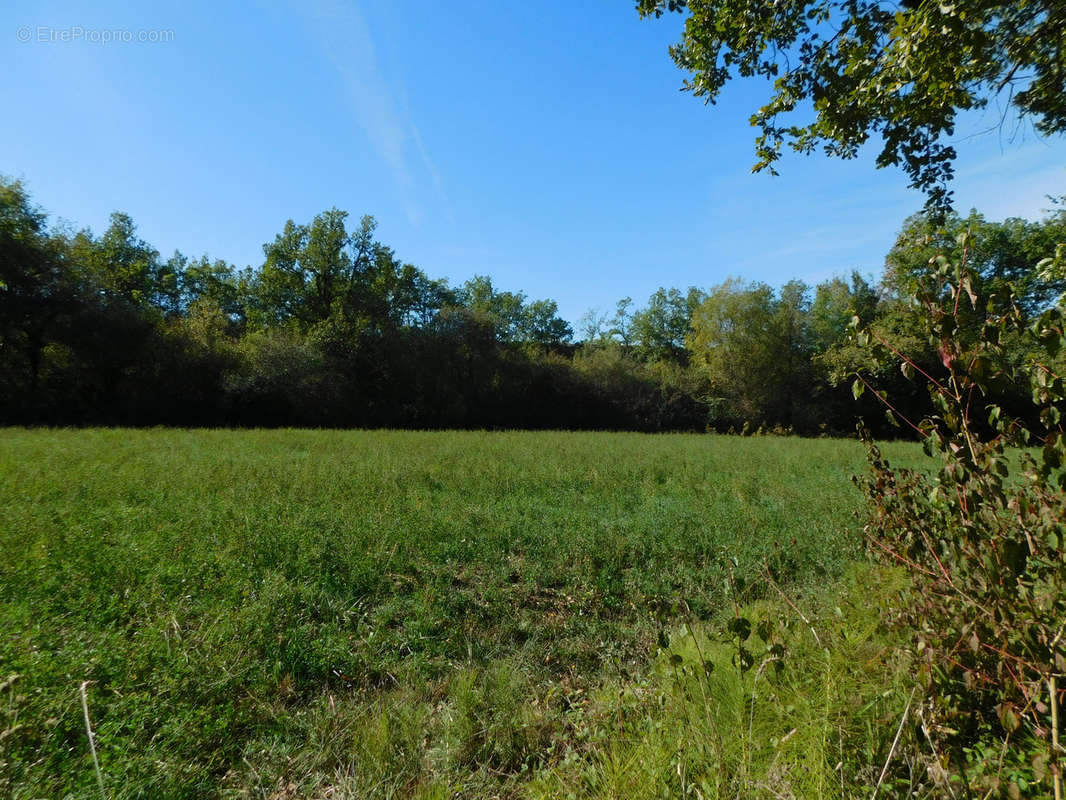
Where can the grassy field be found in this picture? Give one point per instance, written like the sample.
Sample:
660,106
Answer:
354,614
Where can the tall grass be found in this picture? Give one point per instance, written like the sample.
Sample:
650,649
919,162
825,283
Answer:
435,604
815,721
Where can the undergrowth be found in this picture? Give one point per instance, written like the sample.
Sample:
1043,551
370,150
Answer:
983,538
813,715
368,614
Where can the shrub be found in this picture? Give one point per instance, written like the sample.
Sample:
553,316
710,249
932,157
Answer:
982,537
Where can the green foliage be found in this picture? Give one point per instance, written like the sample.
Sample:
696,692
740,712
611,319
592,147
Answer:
836,301
754,349
434,601
869,68
984,544
512,318
660,395
335,330
542,325
332,330
216,283
1000,257
35,292
659,330
811,714
124,267
280,374
621,324
318,276
732,339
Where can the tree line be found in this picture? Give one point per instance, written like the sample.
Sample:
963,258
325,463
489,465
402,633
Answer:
334,330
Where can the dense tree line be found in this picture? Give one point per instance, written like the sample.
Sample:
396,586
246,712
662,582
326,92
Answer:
333,329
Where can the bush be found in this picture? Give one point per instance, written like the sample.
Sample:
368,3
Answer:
983,539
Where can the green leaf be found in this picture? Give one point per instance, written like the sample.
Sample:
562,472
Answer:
747,660
764,630
740,627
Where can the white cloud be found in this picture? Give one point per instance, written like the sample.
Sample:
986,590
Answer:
384,116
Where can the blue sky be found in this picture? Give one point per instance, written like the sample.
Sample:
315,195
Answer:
544,144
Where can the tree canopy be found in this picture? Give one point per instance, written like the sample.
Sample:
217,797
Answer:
1002,254
333,328
845,70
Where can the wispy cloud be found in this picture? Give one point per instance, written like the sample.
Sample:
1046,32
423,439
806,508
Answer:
431,168
379,106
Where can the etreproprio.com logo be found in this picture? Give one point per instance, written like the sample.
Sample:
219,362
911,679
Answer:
46,34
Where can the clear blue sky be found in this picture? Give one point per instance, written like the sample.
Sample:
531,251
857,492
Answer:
545,144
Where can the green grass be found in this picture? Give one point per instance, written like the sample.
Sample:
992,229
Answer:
812,717
286,613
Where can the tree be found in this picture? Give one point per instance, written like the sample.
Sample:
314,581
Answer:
513,319
836,301
1001,254
755,349
792,327
35,288
215,282
125,268
593,326
865,67
542,325
733,341
417,298
307,268
660,328
319,278
502,309
622,322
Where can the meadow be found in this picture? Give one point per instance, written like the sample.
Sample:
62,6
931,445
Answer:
294,613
